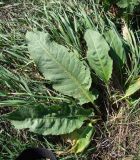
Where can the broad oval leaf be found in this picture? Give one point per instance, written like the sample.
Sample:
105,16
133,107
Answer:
97,55
118,52
54,120
67,73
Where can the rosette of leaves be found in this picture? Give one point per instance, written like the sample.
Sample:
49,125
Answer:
71,77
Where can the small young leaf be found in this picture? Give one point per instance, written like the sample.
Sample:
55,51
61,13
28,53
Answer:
128,3
133,88
97,55
67,73
54,120
82,138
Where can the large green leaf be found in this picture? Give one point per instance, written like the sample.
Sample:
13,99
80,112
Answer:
81,138
52,120
97,54
68,74
117,49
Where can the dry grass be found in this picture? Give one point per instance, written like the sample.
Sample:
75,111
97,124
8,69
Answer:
122,140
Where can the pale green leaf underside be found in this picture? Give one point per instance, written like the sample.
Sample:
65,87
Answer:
67,73
54,120
97,55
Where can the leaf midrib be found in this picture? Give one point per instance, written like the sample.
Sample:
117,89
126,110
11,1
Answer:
70,75
54,117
